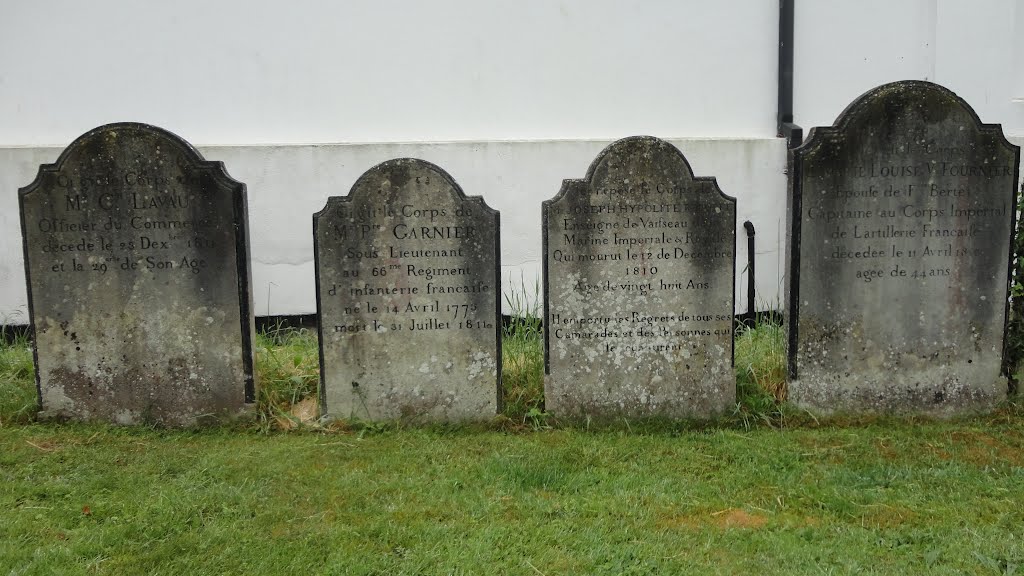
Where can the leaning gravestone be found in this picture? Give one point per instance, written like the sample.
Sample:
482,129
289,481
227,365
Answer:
638,288
901,218
137,267
407,298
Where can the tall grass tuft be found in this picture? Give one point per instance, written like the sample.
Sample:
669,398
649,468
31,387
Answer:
761,372
761,356
17,379
523,356
288,375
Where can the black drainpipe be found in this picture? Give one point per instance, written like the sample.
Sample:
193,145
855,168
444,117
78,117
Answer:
751,316
793,134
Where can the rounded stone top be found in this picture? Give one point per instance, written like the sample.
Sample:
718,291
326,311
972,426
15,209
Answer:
885,107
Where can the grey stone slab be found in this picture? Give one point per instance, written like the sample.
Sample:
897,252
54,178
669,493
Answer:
639,262
408,298
901,216
137,265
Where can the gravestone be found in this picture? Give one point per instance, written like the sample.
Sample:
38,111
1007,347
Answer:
137,265
639,275
407,298
901,216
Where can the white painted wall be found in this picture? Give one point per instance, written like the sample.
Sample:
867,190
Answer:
298,98
973,47
324,71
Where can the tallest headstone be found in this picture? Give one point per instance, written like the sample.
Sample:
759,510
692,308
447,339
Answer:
901,216
137,265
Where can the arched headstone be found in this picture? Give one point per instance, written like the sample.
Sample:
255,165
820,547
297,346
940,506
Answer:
408,298
639,274
136,257
901,216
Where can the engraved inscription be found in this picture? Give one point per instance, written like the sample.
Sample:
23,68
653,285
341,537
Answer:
387,277
119,221
634,249
905,219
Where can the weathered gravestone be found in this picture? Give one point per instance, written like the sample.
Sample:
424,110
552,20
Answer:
407,297
638,288
901,216
137,267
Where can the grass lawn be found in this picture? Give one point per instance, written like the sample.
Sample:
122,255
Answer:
765,489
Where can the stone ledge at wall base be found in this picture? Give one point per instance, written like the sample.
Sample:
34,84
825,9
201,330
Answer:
901,216
11,333
288,183
267,324
639,283
137,266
